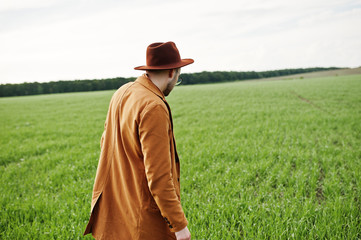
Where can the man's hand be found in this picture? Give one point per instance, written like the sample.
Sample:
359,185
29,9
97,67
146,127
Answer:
183,234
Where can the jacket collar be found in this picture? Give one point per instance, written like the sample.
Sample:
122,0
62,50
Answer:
146,82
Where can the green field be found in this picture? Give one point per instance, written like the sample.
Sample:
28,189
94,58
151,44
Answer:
260,160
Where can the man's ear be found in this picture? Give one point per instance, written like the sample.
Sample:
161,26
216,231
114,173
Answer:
171,73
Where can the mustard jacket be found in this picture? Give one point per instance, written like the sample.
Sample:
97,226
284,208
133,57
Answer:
136,192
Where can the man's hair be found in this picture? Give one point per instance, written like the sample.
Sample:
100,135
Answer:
157,71
162,71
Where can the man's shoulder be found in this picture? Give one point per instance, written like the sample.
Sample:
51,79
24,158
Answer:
124,88
138,96
139,91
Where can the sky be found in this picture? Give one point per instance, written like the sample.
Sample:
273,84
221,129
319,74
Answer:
51,40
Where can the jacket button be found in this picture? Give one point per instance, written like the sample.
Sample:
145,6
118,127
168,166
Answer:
166,220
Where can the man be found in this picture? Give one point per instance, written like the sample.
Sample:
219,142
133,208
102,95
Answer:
136,192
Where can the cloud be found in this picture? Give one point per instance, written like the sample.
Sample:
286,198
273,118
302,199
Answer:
11,5
98,39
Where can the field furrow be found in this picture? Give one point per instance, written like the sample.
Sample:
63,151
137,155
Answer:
259,160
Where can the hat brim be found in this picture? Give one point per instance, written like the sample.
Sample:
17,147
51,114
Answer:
182,63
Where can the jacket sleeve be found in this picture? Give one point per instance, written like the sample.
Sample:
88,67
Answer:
154,130
103,135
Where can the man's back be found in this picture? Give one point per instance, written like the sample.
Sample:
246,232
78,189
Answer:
136,191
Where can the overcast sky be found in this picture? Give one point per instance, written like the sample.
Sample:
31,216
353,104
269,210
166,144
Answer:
50,40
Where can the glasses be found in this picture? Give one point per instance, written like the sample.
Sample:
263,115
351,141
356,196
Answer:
179,81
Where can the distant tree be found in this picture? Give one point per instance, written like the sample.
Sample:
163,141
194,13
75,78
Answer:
34,88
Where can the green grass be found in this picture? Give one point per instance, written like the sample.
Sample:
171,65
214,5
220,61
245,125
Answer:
260,160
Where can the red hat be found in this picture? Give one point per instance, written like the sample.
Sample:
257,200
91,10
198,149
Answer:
162,56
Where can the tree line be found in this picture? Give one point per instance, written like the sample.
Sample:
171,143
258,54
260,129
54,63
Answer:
35,88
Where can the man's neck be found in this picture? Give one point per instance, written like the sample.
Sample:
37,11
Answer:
157,81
